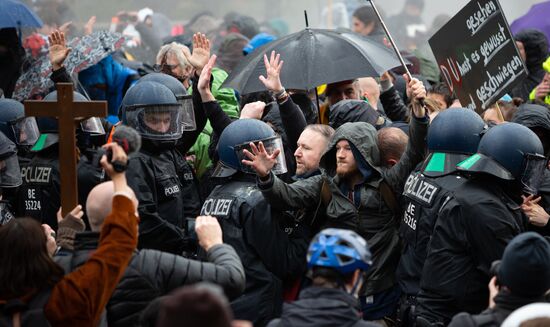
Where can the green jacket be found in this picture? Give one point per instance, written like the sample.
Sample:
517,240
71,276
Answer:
533,93
228,101
372,218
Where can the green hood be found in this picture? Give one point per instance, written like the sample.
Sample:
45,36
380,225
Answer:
365,139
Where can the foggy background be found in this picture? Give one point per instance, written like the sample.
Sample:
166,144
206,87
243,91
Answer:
290,10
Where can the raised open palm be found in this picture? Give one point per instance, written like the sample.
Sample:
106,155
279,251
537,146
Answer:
261,161
201,52
58,51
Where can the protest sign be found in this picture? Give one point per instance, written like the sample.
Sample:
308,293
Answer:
477,55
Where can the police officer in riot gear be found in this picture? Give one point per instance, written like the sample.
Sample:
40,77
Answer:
192,201
453,136
251,225
158,171
39,195
474,226
10,177
19,129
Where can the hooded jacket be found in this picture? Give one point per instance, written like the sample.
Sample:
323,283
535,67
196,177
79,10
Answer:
347,111
535,44
370,216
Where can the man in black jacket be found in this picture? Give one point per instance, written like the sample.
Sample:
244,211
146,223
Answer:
522,277
474,227
337,258
533,46
152,273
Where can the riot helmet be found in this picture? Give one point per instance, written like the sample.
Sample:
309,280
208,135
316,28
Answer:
21,130
186,100
92,125
153,111
10,173
510,152
453,136
236,138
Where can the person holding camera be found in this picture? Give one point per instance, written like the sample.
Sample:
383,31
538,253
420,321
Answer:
520,278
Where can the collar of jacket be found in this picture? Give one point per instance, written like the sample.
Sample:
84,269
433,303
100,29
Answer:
506,300
86,241
307,175
315,292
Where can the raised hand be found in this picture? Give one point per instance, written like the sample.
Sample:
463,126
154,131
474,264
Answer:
76,213
201,52
89,26
273,68
253,110
203,85
417,92
260,160
58,49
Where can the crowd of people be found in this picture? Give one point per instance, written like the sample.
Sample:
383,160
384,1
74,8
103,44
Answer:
374,201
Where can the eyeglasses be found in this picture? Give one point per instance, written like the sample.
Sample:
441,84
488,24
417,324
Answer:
164,68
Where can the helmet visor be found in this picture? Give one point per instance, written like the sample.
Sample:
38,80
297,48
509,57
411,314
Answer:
10,173
92,126
159,122
187,113
533,172
26,131
271,144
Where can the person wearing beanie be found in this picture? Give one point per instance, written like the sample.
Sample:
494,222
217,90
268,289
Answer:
533,47
522,277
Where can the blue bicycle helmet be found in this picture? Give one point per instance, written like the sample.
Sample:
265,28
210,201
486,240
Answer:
339,249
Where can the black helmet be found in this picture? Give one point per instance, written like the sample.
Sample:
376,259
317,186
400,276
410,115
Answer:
21,130
10,173
510,151
236,137
154,111
453,136
188,115
50,125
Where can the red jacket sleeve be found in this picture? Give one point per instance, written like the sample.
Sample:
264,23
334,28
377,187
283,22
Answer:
80,297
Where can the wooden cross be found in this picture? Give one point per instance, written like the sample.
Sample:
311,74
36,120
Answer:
68,114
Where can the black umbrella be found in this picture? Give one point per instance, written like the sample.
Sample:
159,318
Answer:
314,57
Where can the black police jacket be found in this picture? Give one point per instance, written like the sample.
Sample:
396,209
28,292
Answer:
39,196
320,306
164,184
152,273
269,255
423,198
471,232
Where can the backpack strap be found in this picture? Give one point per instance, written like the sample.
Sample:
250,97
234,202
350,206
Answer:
389,197
326,194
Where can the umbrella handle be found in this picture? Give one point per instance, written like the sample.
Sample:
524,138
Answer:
388,34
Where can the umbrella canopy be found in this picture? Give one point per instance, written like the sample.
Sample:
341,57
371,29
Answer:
16,14
314,57
536,17
86,51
